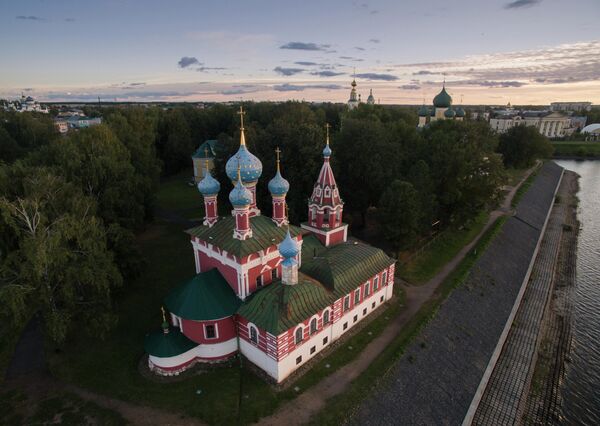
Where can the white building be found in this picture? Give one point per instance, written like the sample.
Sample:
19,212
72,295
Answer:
549,124
571,106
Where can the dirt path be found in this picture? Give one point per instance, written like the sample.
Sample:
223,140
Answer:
299,410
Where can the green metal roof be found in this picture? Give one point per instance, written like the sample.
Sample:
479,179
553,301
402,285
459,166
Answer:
167,345
265,233
279,307
311,247
207,296
442,99
208,144
343,267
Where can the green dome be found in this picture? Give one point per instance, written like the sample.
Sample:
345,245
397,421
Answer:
423,111
449,113
460,112
442,99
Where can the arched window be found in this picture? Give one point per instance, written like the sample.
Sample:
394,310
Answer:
313,326
326,317
367,289
357,296
327,192
299,335
254,335
326,216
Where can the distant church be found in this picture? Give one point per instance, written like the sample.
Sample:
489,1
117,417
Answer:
354,101
442,109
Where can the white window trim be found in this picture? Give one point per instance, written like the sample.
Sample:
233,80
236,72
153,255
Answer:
216,326
295,334
375,283
328,311
250,327
368,289
344,304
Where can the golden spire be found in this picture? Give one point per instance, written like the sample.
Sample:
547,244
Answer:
242,137
277,152
327,126
206,158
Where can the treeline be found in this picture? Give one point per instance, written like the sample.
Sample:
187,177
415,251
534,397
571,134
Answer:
71,205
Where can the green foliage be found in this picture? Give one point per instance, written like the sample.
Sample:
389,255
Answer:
400,214
522,145
57,260
22,133
576,149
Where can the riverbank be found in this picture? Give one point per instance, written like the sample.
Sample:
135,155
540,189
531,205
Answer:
544,401
446,363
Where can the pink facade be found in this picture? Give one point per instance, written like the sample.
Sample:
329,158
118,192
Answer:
279,216
198,331
210,210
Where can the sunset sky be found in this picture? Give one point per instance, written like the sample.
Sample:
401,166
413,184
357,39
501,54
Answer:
489,52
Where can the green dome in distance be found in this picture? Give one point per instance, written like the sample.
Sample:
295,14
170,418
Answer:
424,111
449,113
442,99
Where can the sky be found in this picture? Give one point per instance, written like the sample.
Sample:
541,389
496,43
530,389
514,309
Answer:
488,52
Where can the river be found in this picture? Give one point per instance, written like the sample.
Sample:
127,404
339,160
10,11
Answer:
581,388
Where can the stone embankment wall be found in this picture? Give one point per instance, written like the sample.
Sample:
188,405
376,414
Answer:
437,378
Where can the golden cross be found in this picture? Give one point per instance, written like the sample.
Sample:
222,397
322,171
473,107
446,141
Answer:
206,158
277,152
241,113
327,126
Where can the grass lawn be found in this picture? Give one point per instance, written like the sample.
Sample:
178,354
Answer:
110,367
63,409
576,148
341,406
425,265
176,195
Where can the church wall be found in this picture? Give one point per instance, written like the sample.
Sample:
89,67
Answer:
195,330
209,262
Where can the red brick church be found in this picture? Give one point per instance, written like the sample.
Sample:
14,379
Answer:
275,292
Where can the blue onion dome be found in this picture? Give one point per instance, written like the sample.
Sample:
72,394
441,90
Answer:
240,195
288,247
449,113
209,185
424,111
278,185
442,99
460,112
250,166
327,151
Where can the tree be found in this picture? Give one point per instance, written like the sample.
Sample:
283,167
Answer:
58,262
522,145
175,145
399,214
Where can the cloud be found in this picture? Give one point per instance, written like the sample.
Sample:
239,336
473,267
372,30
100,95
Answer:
306,63
520,4
287,71
424,72
359,48
242,89
299,45
375,76
327,73
30,18
409,87
69,19
579,61
374,40
204,69
351,58
286,87
486,83
186,61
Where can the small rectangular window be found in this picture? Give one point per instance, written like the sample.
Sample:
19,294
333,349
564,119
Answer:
298,360
346,303
373,305
357,296
259,281
345,325
368,289
381,299
274,274
384,281
325,340
365,311
313,350
210,332
355,318
376,283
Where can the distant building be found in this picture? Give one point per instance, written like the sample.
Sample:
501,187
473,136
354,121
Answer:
61,125
82,122
205,152
442,110
571,106
353,101
25,104
549,123
591,132
371,98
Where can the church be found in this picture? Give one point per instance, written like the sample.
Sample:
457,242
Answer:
442,109
276,293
